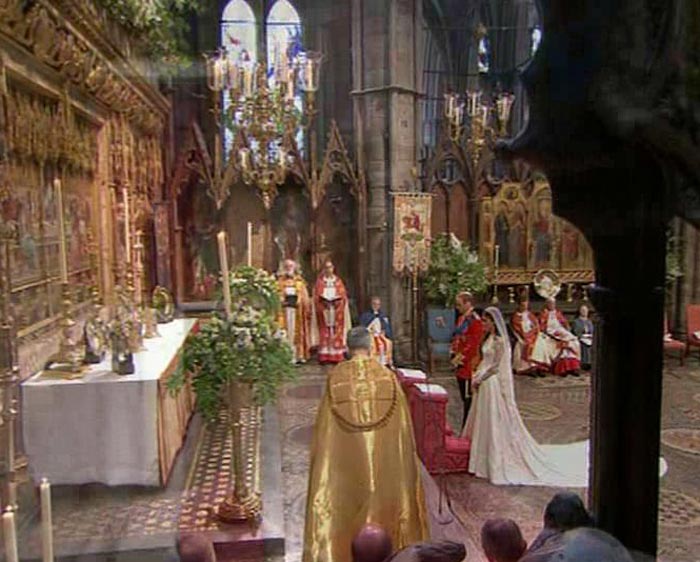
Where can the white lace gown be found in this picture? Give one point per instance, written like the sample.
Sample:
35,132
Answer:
502,449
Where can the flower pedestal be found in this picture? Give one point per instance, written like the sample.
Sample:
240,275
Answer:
244,416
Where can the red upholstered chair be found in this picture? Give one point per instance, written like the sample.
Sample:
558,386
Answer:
409,377
438,448
692,319
672,345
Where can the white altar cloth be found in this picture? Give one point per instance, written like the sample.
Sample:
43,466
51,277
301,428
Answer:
103,427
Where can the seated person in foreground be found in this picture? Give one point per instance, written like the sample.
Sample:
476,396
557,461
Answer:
364,467
195,548
502,540
379,326
372,544
581,545
565,511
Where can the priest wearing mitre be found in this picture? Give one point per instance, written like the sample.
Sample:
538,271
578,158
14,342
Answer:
379,326
331,316
364,466
295,315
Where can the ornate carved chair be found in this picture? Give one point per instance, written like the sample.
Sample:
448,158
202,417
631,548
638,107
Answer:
673,345
439,449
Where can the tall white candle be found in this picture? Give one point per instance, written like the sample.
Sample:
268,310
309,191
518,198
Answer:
63,258
496,256
10,536
249,242
223,263
127,224
46,523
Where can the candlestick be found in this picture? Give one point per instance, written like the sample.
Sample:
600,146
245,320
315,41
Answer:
127,233
249,242
46,523
309,74
63,259
223,263
485,115
10,535
497,251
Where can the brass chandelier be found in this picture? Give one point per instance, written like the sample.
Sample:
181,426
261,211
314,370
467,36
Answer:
263,109
479,118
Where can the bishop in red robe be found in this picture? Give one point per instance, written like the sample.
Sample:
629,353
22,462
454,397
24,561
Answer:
331,316
530,351
466,342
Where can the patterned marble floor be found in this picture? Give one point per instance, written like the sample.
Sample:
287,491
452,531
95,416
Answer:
555,410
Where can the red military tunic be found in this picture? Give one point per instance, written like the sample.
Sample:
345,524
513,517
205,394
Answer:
466,342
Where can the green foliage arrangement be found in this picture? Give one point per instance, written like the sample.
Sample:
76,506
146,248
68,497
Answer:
250,347
453,268
161,25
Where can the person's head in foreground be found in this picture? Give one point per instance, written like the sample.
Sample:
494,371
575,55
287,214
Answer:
566,511
490,324
502,540
582,545
359,341
195,548
371,544
440,551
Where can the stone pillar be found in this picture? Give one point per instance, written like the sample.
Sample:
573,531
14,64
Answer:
385,36
622,211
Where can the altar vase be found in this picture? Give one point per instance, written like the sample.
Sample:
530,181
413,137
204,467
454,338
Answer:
295,314
364,465
331,316
379,326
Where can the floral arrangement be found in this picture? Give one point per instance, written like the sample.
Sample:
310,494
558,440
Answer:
160,24
453,268
249,347
256,287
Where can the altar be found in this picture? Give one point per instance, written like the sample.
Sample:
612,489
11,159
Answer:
109,428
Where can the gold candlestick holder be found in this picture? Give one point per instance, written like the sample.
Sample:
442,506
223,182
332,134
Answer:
136,336
67,363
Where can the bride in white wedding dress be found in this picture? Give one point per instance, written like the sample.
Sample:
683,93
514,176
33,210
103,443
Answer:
502,448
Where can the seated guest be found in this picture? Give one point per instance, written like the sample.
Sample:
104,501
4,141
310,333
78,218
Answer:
583,330
443,551
371,544
565,348
530,355
502,540
379,326
195,548
581,545
565,511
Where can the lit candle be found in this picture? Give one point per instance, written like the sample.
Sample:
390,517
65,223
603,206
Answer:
249,242
497,251
10,535
247,81
309,74
485,115
46,524
223,263
127,224
63,258
290,84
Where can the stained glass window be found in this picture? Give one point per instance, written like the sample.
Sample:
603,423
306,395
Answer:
536,37
483,62
284,39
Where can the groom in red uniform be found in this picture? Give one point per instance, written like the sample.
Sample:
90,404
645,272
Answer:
466,340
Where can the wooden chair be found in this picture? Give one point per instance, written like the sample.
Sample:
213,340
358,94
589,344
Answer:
692,319
673,345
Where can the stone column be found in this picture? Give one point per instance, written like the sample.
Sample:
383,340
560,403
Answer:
385,36
622,210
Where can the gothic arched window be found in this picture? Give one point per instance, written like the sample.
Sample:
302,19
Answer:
535,39
484,56
239,36
283,28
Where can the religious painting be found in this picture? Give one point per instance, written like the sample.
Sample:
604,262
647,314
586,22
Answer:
520,232
200,226
411,232
336,233
542,228
242,207
23,207
290,219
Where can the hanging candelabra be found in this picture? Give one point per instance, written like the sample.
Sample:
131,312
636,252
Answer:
262,108
481,127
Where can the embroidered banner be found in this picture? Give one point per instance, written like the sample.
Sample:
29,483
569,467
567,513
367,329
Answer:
411,232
